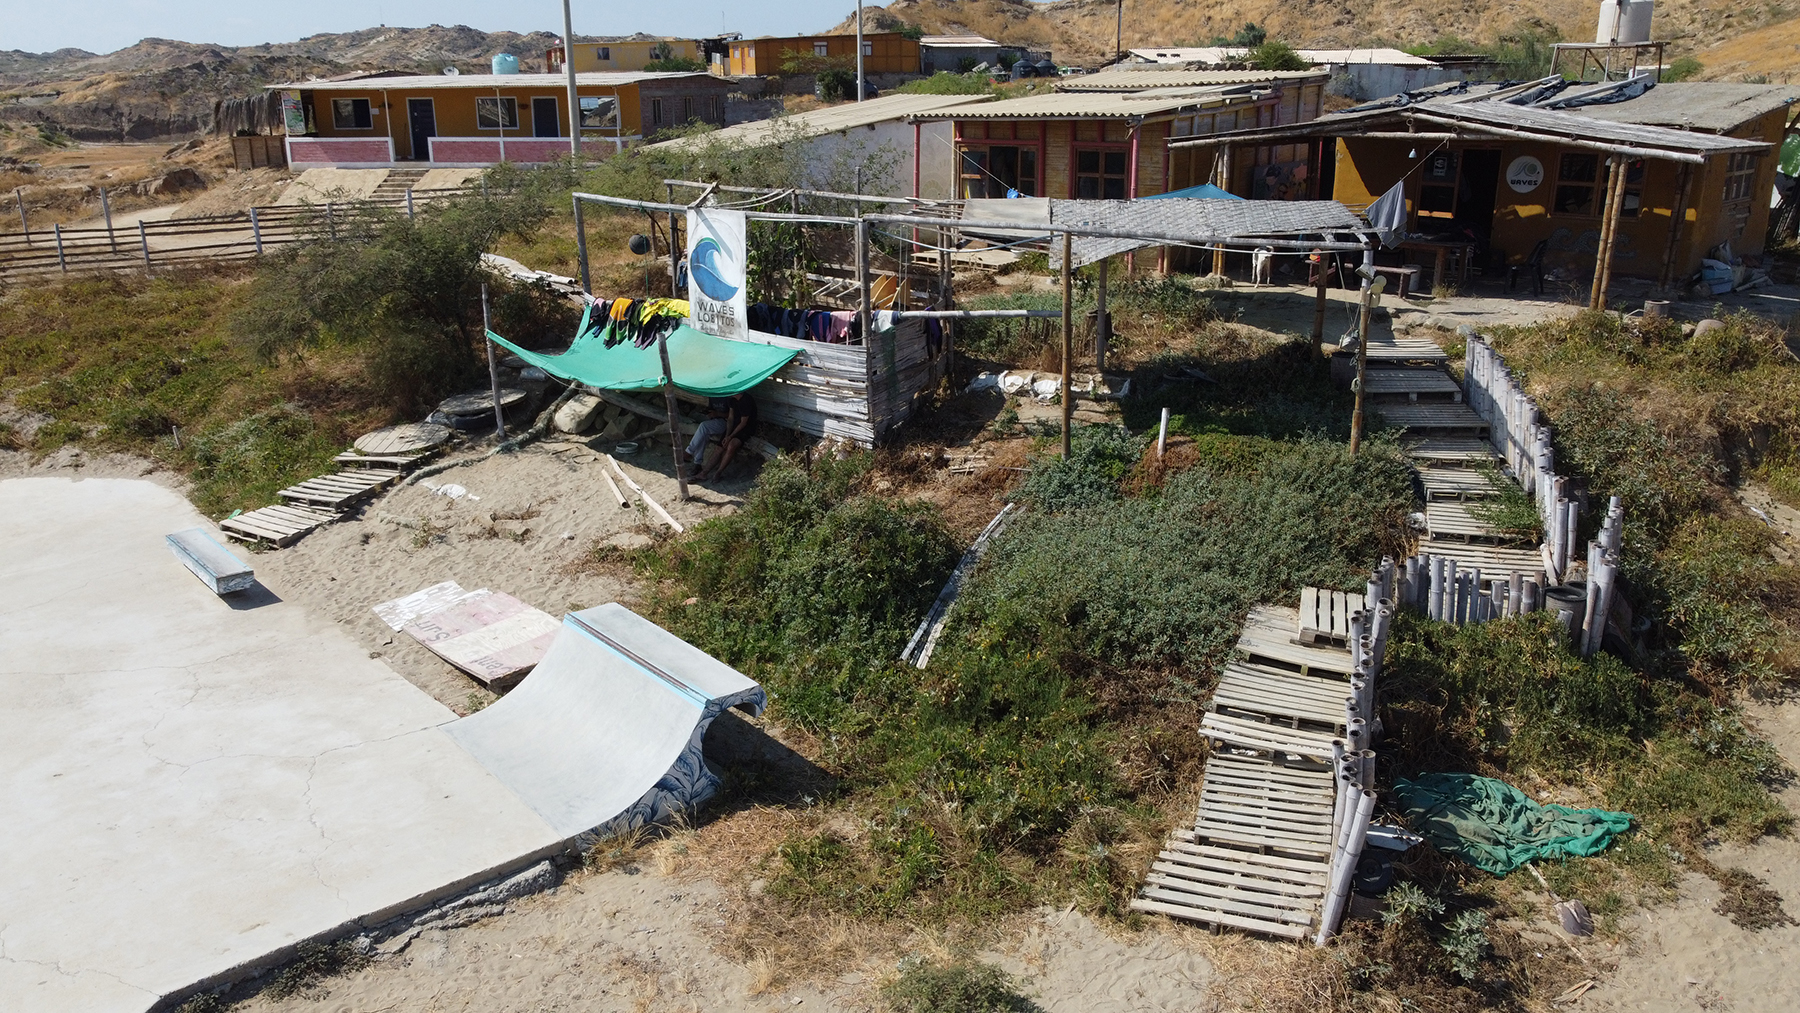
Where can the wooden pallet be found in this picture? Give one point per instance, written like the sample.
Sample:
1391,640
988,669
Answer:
1255,689
1411,384
1268,638
1258,857
1465,450
335,492
1455,484
385,462
280,525
1450,521
1264,737
1494,561
1394,348
1325,615
1420,418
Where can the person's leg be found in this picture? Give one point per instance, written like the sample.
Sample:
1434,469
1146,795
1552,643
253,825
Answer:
704,433
731,445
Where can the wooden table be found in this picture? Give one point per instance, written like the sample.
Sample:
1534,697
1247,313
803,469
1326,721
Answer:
1441,250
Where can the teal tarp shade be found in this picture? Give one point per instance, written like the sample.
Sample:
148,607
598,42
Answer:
1496,827
1205,191
699,361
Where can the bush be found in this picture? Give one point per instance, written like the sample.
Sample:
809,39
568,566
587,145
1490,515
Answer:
945,82
1682,68
257,455
960,987
1272,55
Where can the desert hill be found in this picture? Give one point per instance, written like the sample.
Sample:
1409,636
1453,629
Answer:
1082,31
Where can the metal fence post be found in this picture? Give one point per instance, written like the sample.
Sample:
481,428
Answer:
409,204
144,244
106,209
60,262
256,231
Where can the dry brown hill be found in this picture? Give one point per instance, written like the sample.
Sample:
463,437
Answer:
1082,31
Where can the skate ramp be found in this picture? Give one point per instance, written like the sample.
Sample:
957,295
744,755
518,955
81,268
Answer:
605,733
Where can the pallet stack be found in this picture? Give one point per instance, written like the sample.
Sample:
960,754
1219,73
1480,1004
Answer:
377,461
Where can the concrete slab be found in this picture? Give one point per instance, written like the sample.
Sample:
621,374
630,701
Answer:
192,783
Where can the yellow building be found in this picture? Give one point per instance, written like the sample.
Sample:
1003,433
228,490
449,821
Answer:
883,53
1515,174
481,119
625,53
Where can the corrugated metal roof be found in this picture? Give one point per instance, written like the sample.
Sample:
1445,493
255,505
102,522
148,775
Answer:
827,120
1137,80
1699,105
957,41
1579,124
1240,222
487,81
1069,105
1228,54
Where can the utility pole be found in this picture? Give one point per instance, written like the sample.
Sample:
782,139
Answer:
859,49
574,100
1119,34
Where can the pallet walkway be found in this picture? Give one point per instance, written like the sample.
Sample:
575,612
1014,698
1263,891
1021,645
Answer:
1325,615
1441,483
1386,348
1413,383
1258,854
280,525
1466,451
1420,418
338,491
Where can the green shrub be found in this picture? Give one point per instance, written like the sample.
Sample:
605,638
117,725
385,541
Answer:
1273,55
961,987
254,457
945,82
1099,459
1682,68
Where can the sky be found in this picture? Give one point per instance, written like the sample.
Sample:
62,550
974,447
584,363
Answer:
101,26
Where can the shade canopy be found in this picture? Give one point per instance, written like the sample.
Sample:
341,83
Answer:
1205,191
699,362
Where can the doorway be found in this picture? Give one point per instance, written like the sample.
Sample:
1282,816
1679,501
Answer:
421,119
543,118
1475,193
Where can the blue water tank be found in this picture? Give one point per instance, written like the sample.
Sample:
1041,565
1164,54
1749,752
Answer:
506,63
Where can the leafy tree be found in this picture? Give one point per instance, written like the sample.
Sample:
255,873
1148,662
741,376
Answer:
1275,56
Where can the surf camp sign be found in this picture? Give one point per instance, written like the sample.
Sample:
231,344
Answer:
716,255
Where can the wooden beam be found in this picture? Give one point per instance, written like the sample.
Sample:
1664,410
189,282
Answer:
1068,338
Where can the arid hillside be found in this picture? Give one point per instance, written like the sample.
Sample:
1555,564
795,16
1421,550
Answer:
1083,31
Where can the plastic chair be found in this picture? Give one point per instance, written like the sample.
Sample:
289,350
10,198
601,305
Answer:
1533,263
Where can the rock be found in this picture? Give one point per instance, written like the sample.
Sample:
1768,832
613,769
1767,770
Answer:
1707,326
620,428
173,181
629,541
576,414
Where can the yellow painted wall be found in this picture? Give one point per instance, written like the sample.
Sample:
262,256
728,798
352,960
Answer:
1367,168
633,55
455,111
890,53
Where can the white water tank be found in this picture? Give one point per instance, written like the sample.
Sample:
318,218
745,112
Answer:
1624,21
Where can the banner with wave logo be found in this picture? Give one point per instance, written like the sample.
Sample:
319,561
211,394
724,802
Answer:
717,253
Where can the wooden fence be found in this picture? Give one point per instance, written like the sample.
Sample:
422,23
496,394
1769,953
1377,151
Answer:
146,246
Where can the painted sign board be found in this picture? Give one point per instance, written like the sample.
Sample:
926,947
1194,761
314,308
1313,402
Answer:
717,253
1524,174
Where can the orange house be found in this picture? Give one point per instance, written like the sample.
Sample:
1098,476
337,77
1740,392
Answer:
481,119
883,53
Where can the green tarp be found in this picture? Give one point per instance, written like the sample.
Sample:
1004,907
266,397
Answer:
1496,827
700,362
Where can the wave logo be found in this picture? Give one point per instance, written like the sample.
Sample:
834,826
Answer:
709,263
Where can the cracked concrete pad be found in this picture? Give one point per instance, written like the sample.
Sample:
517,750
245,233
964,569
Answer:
189,787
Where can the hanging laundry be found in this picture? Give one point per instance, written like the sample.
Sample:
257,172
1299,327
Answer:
841,321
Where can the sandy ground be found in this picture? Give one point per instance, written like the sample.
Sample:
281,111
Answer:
1686,956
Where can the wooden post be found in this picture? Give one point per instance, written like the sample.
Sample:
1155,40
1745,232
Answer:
256,231
662,349
1102,328
1676,221
947,301
862,280
1613,213
19,193
1224,183
1615,189
672,262
1362,356
330,220
1318,334
144,244
493,364
60,262
106,209
580,243
1068,338
409,204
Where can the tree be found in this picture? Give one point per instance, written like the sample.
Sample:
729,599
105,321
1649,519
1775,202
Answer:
1275,56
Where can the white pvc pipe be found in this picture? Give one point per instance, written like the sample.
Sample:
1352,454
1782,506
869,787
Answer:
1355,831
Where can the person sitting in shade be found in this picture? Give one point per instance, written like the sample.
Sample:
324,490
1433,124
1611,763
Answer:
740,425
712,428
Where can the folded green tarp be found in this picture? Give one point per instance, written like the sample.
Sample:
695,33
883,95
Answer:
1496,827
699,362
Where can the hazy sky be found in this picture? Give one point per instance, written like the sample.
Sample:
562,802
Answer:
101,26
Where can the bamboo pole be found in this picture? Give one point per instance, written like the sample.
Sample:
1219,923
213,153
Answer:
1318,331
487,328
1597,291
1362,353
581,253
1068,339
662,350
60,262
